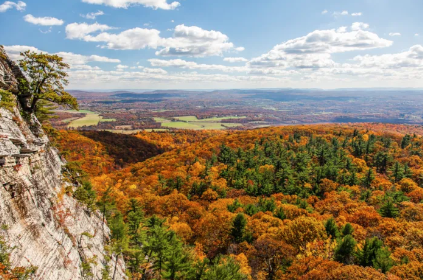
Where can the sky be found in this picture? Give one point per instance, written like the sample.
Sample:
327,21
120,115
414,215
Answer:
223,44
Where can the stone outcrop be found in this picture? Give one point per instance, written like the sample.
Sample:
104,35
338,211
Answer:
46,227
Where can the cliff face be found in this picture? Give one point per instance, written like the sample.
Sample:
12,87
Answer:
47,228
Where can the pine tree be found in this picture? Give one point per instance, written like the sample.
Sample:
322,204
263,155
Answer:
344,252
397,172
225,269
119,237
368,179
280,213
389,210
347,230
383,260
374,254
177,262
405,141
331,228
238,228
86,195
235,205
135,254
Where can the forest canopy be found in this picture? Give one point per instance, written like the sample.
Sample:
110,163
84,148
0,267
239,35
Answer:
301,202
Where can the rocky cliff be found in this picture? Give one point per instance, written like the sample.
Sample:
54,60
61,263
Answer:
46,227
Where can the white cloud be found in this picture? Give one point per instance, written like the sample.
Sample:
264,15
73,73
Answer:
359,26
20,6
121,67
411,58
393,34
179,63
131,39
154,71
357,14
314,50
46,31
417,35
80,30
235,59
155,4
45,21
324,12
74,60
343,13
342,29
195,41
186,40
93,15
15,50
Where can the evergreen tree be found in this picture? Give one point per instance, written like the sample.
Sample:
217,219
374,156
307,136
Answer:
405,141
389,210
344,252
383,260
225,269
251,209
374,254
119,237
235,205
280,213
238,228
368,179
135,254
331,228
86,195
177,262
347,229
397,172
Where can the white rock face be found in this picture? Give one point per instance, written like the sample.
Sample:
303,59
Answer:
47,228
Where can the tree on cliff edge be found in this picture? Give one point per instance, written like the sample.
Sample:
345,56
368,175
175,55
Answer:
46,80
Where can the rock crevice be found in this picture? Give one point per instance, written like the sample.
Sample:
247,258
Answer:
46,227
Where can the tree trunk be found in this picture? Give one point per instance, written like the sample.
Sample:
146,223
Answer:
114,272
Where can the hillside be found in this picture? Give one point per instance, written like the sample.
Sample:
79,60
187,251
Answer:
297,202
45,232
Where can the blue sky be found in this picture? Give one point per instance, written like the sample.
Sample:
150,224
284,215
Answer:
191,44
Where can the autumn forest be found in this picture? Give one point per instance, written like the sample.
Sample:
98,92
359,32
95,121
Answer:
296,202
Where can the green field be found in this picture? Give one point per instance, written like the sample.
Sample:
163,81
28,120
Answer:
214,119
191,122
91,118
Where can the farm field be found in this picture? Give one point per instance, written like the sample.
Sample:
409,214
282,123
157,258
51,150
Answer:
191,122
91,118
214,119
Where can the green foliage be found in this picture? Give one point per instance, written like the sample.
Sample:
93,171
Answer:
7,100
347,229
374,254
225,269
86,195
368,179
47,78
251,209
279,213
389,210
177,261
235,205
20,273
238,228
45,111
344,252
331,228
397,172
